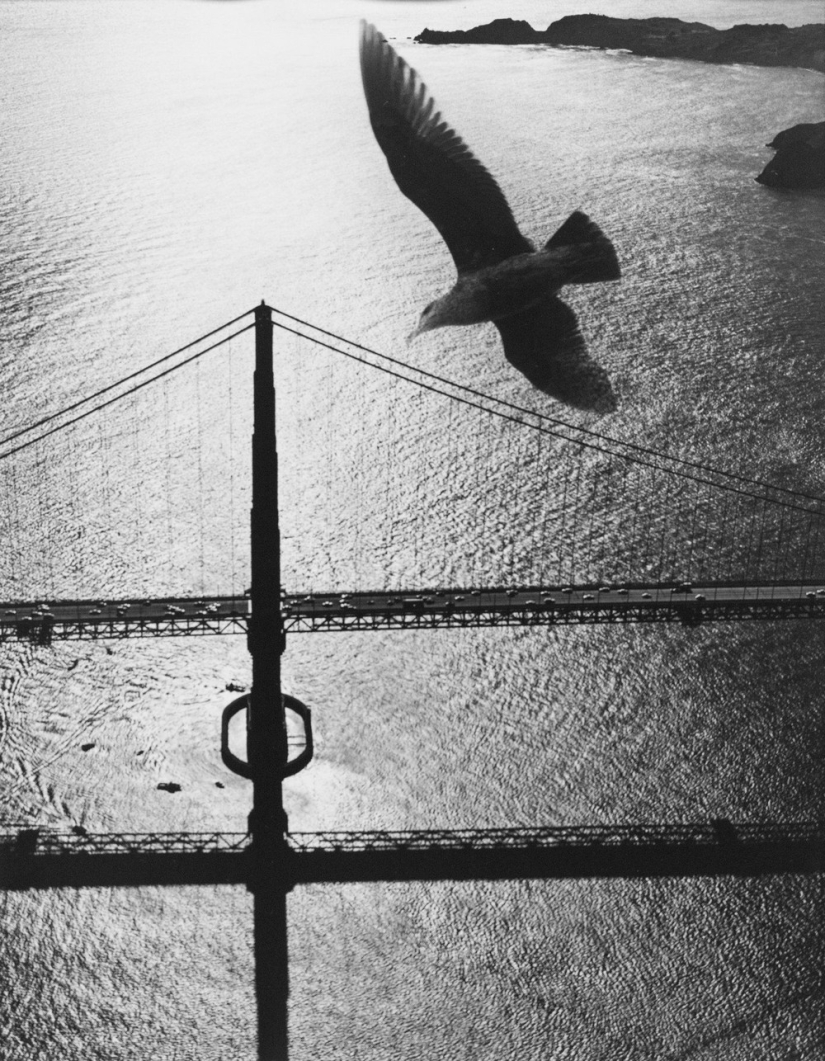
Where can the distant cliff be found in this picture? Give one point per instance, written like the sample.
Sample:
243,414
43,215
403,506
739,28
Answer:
800,158
667,38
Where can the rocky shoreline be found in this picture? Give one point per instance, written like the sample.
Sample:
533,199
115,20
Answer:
667,38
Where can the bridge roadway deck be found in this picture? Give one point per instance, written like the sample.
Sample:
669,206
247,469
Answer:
35,858
45,621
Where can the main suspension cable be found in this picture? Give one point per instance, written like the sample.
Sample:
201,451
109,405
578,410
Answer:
557,421
599,446
119,383
126,393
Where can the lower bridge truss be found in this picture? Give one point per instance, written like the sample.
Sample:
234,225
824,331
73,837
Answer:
35,858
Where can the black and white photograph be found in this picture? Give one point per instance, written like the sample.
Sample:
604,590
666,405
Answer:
412,530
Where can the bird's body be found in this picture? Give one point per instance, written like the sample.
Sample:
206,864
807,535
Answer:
501,277
512,286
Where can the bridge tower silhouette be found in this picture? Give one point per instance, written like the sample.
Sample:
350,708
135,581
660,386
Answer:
270,859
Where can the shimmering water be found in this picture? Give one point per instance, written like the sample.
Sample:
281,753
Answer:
167,165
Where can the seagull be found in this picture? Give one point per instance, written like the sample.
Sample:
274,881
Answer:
501,276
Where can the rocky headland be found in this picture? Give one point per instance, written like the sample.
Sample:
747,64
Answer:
666,38
800,158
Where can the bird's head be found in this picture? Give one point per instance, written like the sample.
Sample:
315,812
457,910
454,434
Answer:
432,316
450,309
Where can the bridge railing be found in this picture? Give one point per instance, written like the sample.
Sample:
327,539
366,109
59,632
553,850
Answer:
713,832
43,842
718,831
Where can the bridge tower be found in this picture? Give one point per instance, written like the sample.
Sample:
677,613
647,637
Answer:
267,738
270,875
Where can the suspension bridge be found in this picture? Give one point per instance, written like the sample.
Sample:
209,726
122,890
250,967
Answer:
433,505
402,500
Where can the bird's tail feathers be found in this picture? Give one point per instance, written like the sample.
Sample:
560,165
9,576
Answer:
594,260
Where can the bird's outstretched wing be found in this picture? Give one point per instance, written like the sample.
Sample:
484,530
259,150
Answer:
432,165
544,342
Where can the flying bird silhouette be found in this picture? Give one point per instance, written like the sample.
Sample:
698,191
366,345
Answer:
501,277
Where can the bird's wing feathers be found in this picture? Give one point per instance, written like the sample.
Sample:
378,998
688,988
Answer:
431,164
544,342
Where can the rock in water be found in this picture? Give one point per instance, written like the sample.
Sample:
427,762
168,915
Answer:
800,158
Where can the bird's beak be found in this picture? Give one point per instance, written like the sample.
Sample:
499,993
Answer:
414,334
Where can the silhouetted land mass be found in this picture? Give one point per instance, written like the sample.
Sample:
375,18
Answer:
800,158
666,38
